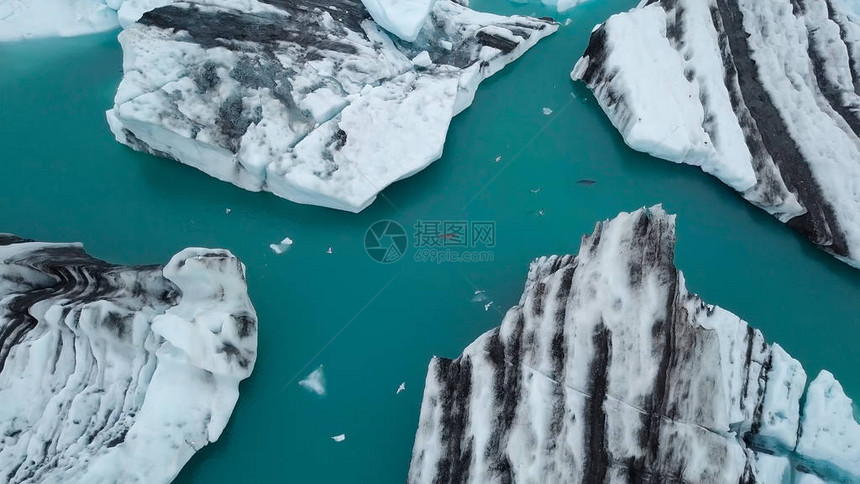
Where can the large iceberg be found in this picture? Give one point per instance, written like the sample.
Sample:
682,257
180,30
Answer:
24,19
763,94
609,370
311,101
114,373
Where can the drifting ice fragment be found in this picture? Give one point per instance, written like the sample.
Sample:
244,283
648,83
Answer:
547,111
315,382
281,247
339,438
487,306
328,251
535,190
498,158
401,388
446,45
480,296
227,211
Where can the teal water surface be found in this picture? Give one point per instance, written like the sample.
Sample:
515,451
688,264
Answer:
371,325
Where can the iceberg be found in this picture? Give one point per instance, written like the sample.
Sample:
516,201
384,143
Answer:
26,19
114,373
610,370
762,94
290,97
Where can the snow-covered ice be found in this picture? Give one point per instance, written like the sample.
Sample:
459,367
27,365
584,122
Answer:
114,373
763,94
608,370
315,382
290,97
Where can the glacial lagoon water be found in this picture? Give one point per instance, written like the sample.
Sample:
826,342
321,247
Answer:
371,325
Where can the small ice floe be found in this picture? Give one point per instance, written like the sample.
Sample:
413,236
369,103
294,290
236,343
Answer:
498,158
487,306
315,382
480,296
339,437
536,190
540,213
586,181
568,22
547,111
282,246
401,388
447,45
328,251
227,211
422,60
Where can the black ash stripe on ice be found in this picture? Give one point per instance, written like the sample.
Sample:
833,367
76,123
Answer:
819,222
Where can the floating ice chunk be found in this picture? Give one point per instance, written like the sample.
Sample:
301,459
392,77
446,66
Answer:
536,190
401,388
447,45
568,22
422,59
328,251
281,247
546,111
498,158
315,382
480,296
227,211
403,18
540,213
487,306
339,438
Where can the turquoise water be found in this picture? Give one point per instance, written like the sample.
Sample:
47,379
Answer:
372,325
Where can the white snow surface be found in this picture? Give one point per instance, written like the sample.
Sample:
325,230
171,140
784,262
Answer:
301,118
658,71
609,347
403,18
127,372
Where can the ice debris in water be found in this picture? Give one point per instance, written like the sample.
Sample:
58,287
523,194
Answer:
401,388
339,437
315,382
547,111
281,247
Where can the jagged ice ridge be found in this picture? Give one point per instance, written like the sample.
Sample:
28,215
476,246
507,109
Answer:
609,370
